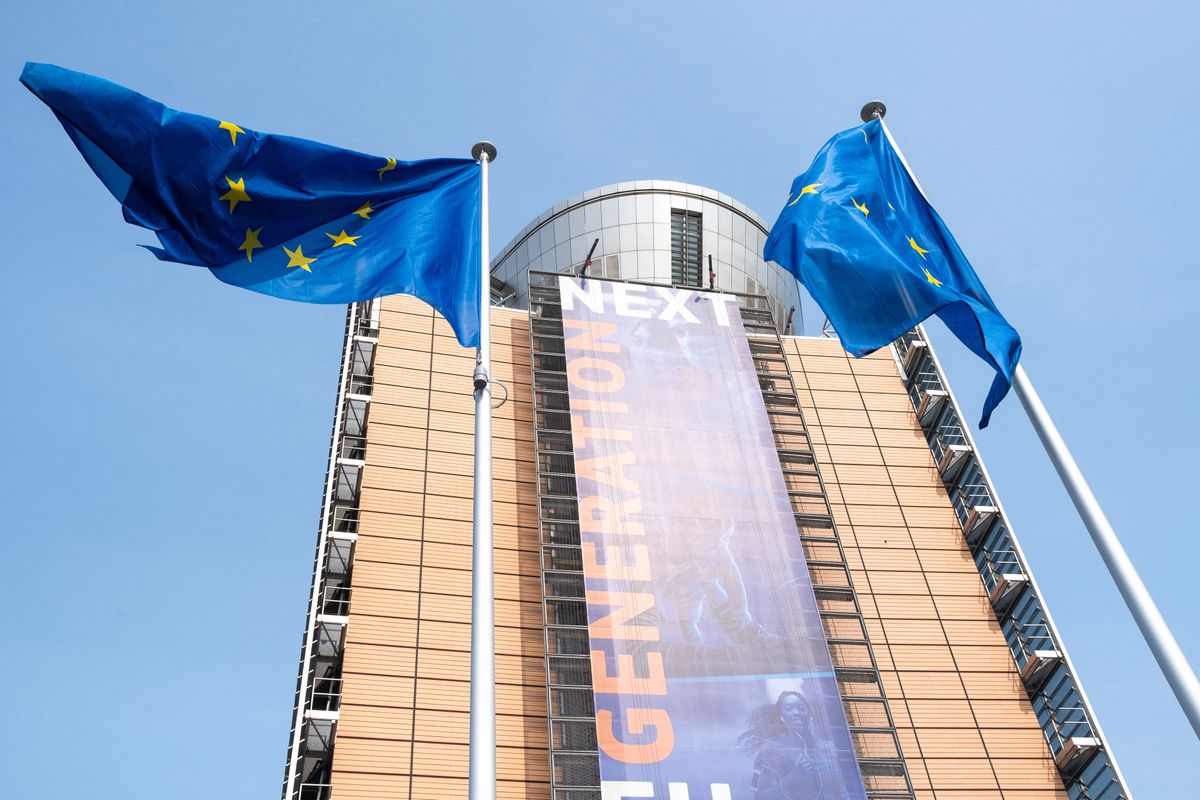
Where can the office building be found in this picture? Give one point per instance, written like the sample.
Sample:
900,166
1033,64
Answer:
951,679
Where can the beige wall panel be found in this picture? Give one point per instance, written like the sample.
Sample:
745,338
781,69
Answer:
930,517
870,475
897,559
940,713
383,602
371,659
352,754
982,658
903,420
366,629
379,524
973,633
877,401
442,788
395,436
833,399
1013,713
392,502
512,763
378,477
921,657
384,455
948,537
409,377
812,346
875,515
1015,743
907,457
913,631
912,606
1026,773
385,549
836,364
960,773
398,415
965,607
449,665
454,727
378,690
890,537
951,743
892,583
831,381
837,435
956,560
374,722
951,583
387,394
529,701
922,497
887,383
993,685
849,454
928,685
365,786
457,636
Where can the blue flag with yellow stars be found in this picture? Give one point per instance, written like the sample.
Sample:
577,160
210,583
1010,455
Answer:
864,241
279,215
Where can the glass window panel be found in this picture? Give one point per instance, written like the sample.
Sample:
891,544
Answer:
645,236
610,240
608,212
575,221
562,229
546,238
591,218
628,237
645,208
562,255
627,210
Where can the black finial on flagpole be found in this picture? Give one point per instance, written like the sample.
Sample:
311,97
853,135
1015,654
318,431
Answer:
479,148
873,110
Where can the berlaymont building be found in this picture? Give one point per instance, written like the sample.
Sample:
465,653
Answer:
731,561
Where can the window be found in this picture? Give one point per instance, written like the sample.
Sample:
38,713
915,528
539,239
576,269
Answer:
686,268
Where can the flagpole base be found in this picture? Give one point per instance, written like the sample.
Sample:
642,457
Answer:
872,110
480,148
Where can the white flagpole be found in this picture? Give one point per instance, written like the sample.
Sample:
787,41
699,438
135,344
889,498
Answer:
482,774
1166,650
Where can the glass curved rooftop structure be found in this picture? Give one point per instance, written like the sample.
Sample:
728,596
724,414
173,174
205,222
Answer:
662,232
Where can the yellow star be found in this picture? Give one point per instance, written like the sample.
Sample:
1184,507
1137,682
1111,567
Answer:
251,244
236,194
296,258
929,277
342,238
365,211
921,251
810,189
233,129
388,167
861,207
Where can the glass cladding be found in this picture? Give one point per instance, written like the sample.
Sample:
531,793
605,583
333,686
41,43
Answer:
657,231
685,248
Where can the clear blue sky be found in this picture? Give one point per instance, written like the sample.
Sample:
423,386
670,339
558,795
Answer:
165,435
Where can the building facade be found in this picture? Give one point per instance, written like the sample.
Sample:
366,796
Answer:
954,681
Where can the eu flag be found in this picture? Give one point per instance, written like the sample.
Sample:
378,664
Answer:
864,241
279,215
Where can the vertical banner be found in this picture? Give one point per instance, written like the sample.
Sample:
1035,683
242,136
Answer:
710,668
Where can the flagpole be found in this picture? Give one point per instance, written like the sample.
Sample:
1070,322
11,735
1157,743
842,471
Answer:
482,757
1171,659
1170,656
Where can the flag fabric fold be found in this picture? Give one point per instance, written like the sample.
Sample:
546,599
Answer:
279,215
875,256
